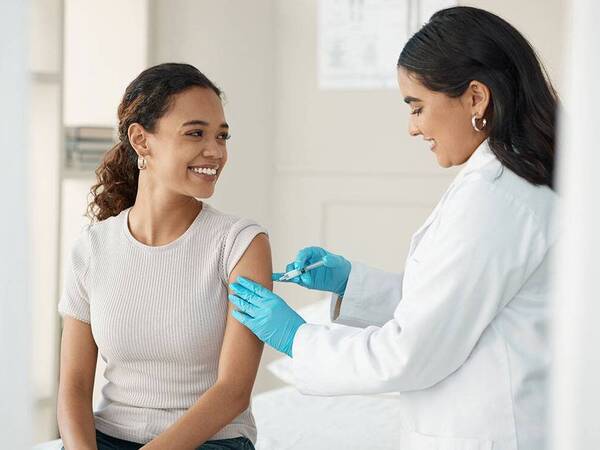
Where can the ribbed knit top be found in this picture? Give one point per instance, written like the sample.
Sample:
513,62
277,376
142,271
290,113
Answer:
158,317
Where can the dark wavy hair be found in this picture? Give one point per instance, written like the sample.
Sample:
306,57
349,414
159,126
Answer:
146,100
462,44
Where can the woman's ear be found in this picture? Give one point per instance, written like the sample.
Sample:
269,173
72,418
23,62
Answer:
478,96
138,139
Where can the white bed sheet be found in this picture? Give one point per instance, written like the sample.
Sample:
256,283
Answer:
287,419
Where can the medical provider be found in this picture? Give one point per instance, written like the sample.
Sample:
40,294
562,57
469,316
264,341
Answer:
461,334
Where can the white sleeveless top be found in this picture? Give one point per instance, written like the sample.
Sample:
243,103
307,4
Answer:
158,317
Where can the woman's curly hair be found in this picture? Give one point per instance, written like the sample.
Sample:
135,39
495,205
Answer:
146,100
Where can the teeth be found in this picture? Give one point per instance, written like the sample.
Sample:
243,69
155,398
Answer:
204,170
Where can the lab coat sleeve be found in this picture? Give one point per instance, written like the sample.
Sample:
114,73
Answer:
486,245
370,298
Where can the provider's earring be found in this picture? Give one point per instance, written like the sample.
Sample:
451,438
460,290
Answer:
141,162
474,123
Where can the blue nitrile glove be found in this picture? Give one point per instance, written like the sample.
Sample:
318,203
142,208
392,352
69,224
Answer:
332,277
266,314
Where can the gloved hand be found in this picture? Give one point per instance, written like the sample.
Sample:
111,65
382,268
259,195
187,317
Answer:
332,277
266,314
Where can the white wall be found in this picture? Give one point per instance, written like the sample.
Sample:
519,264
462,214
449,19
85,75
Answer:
576,369
105,49
15,309
43,172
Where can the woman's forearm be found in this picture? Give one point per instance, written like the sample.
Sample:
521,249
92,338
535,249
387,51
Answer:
216,408
76,420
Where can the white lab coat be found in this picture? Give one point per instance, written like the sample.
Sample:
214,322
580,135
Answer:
462,335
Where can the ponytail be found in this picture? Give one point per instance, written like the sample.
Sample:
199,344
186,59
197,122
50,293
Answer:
117,182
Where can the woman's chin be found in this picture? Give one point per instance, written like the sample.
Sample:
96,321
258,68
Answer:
202,194
442,161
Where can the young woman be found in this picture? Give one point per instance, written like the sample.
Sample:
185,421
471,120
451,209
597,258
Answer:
462,332
147,283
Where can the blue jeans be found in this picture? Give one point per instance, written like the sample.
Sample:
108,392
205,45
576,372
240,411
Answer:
106,442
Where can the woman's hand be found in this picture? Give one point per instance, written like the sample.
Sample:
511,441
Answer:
332,277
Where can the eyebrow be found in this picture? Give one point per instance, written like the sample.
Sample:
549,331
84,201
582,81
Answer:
411,99
203,123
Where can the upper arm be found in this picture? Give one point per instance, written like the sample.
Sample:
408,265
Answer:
242,350
78,356
78,349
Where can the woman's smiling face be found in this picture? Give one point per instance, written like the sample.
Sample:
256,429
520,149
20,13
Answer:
443,121
187,150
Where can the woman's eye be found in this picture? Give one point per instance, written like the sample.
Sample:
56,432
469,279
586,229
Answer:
416,111
200,133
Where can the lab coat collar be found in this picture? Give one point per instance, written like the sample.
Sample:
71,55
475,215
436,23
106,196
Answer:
480,157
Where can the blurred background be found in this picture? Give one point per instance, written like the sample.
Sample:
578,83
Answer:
319,155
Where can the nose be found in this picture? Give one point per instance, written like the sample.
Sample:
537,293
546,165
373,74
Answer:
213,149
413,130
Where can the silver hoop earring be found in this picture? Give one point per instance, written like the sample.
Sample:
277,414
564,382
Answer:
474,123
141,163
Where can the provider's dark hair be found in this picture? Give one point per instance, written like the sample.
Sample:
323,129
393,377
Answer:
146,100
462,44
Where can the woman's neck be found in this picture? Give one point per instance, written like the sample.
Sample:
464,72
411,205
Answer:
156,219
